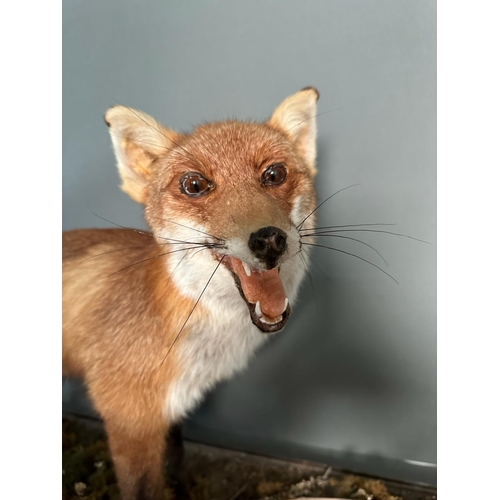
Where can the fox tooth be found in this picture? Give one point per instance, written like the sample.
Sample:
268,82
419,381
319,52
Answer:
258,310
285,306
246,267
271,322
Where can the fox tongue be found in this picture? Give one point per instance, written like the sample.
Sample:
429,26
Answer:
264,287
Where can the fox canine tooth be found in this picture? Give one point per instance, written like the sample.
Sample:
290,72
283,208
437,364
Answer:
258,310
285,306
246,267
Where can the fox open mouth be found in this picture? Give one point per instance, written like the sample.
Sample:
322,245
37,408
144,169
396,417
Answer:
264,294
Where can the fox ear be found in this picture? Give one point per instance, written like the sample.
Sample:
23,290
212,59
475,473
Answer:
138,141
296,118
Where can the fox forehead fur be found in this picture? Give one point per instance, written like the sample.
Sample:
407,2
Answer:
186,290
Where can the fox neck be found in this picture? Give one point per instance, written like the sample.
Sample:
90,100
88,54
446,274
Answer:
220,337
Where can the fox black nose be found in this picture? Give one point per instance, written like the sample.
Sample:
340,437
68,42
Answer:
268,244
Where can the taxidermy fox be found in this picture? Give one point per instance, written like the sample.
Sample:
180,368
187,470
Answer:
151,321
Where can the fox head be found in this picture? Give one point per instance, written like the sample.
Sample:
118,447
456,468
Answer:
230,195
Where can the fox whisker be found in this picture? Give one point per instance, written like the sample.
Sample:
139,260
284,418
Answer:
191,228
147,143
152,258
201,249
329,233
194,307
352,255
299,227
347,238
117,250
146,233
310,118
308,272
349,225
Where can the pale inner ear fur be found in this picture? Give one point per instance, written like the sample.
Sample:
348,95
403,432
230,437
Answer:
296,118
138,141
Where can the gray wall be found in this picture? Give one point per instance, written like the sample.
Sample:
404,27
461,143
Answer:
352,379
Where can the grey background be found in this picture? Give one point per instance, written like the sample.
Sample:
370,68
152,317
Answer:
352,379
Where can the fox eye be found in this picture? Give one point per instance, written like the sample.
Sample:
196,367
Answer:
274,174
194,184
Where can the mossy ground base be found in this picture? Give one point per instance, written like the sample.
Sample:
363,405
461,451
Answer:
218,474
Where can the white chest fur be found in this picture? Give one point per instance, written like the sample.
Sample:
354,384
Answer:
222,343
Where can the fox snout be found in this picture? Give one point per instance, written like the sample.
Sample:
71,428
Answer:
268,244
